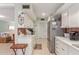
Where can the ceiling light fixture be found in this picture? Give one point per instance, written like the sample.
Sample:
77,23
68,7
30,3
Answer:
43,14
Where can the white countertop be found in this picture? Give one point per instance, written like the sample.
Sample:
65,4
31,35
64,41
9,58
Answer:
68,41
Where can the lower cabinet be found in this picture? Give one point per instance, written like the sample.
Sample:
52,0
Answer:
72,51
61,48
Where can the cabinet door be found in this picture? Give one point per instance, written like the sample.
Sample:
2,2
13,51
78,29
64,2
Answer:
60,48
70,18
64,48
65,21
57,47
72,51
74,16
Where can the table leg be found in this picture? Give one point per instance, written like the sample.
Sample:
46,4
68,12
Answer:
14,51
23,51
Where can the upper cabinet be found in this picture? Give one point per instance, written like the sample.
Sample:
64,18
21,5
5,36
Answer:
74,16
65,20
70,18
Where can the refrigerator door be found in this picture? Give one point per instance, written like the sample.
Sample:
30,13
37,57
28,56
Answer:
51,40
53,30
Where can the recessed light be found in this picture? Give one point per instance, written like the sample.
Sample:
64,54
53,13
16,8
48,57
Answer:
43,14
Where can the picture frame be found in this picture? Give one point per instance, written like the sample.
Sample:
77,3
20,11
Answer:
20,20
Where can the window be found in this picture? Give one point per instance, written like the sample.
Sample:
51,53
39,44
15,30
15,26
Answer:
11,27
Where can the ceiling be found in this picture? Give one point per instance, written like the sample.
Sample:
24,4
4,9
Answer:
45,8
6,5
38,8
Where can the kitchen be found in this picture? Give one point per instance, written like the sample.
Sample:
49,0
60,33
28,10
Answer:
49,30
68,44
39,30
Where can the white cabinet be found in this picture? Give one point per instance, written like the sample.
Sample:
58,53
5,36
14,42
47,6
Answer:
62,48
70,18
74,16
72,51
65,20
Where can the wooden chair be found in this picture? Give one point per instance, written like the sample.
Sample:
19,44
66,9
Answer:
15,47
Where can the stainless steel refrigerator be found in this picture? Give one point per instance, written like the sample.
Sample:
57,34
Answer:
54,29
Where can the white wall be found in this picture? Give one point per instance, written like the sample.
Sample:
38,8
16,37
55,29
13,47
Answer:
41,29
4,26
27,20
9,13
27,24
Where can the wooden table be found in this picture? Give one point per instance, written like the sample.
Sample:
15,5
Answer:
19,46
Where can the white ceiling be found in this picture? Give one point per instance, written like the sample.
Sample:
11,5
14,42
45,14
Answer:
47,8
6,5
38,8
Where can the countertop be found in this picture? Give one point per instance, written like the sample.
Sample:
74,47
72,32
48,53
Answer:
68,41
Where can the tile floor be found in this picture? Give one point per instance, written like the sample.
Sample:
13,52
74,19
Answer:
5,48
44,50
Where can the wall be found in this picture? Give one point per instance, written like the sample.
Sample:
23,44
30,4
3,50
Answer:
27,24
41,29
4,26
27,20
